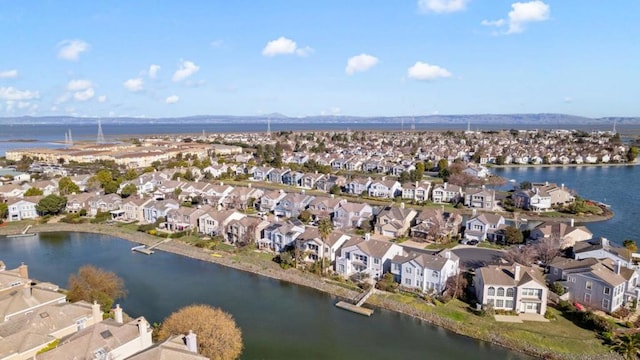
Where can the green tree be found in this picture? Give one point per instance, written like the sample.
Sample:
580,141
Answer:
51,205
94,284
219,338
443,164
526,185
131,174
128,190
631,245
66,186
632,154
335,189
500,160
419,172
110,187
4,210
512,235
33,191
325,228
305,216
627,345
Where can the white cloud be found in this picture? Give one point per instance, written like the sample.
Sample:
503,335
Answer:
284,46
568,100
23,104
360,63
135,84
9,74
521,14
102,98
153,71
71,49
84,95
426,72
442,6
216,43
185,69
12,94
172,99
80,84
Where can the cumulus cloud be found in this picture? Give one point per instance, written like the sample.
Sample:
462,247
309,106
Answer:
427,72
285,46
12,94
153,71
80,84
360,63
134,85
84,95
71,49
442,6
102,98
520,15
9,74
185,69
172,99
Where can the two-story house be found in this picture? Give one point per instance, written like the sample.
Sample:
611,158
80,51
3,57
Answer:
367,257
352,215
418,191
22,208
292,204
446,193
566,235
480,199
384,188
395,221
281,234
271,199
484,227
426,272
358,186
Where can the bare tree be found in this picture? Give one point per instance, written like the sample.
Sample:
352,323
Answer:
547,249
456,285
521,254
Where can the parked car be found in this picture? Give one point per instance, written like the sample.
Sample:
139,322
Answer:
472,242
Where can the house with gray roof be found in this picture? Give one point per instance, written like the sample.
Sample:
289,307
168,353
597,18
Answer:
365,256
425,272
484,227
395,221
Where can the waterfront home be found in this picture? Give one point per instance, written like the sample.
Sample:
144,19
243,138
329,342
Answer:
559,194
418,191
22,337
480,199
352,215
245,230
511,288
384,188
602,249
22,208
185,218
12,191
182,347
281,234
358,186
436,223
325,207
446,193
394,221
77,202
599,286
15,177
366,257
26,298
484,227
292,204
157,209
425,272
271,199
213,222
477,171
104,203
108,339
566,235
313,248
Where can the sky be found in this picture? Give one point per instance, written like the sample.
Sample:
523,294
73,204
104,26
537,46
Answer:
328,57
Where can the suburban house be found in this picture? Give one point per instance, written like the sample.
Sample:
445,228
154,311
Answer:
484,227
602,249
358,186
325,207
310,242
132,208
598,286
280,234
446,193
157,209
352,215
77,202
310,180
104,203
292,204
22,208
270,200
214,222
245,230
12,191
182,347
534,199
185,218
364,256
480,199
436,223
292,178
48,187
384,188
478,171
326,182
395,221
242,198
425,272
559,194
567,235
512,288
275,175
418,191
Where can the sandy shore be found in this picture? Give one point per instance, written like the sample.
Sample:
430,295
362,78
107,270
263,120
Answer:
299,278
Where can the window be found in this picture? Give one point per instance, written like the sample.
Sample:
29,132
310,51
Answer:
588,285
572,279
499,303
607,290
492,291
587,298
490,302
510,292
408,270
508,304
341,268
407,282
531,292
435,274
605,304
376,261
396,267
500,291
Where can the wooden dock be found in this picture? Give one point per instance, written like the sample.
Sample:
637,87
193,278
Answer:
356,306
148,250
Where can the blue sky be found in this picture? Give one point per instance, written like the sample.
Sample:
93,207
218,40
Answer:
356,57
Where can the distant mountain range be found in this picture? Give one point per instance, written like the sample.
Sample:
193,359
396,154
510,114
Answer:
502,119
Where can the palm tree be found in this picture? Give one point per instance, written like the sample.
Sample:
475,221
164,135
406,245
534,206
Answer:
325,228
627,345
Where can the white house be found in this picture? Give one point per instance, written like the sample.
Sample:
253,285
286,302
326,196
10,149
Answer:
367,257
426,272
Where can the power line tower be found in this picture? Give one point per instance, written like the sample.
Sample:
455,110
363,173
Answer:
269,126
100,139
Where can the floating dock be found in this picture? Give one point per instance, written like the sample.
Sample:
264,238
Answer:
24,233
359,301
142,249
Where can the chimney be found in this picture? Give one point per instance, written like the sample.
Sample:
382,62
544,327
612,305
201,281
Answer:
445,186
96,312
221,183
142,327
447,254
191,342
546,183
249,185
516,272
417,183
474,211
402,205
118,314
333,196
27,291
572,222
367,237
618,266
562,186
604,242
23,270
178,178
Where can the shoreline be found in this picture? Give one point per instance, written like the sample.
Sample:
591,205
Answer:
512,166
300,278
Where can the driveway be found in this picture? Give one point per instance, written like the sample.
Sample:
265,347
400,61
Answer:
472,257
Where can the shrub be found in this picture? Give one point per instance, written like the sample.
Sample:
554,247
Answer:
557,288
549,315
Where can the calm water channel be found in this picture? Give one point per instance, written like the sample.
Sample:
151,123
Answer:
278,320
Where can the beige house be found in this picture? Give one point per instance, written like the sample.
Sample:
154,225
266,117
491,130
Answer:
566,234
395,222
